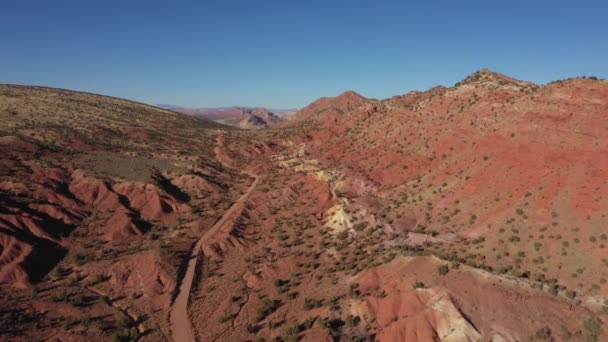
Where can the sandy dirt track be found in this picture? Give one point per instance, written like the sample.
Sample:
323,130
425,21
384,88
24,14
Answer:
181,327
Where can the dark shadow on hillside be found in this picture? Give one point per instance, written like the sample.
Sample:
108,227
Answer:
45,254
171,189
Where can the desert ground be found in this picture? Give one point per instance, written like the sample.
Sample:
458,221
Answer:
475,212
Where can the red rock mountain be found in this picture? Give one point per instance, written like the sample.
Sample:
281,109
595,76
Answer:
491,157
330,105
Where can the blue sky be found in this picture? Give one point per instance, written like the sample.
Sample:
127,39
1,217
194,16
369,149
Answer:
285,54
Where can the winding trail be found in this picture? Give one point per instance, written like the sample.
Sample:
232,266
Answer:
181,327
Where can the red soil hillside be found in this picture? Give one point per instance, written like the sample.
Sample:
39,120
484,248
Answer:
332,105
445,215
504,176
518,166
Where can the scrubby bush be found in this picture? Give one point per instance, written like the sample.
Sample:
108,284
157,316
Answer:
543,333
266,308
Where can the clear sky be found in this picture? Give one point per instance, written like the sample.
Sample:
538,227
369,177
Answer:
285,54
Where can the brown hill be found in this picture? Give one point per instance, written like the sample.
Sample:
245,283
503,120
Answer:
107,193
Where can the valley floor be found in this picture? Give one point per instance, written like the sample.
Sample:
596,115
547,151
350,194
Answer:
300,265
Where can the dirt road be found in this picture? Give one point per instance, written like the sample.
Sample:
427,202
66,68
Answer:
181,327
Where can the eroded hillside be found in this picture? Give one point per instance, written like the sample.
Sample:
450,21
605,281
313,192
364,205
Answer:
101,199
498,174
516,170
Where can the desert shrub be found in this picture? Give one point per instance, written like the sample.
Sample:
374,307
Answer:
77,301
124,336
291,333
594,329
553,290
443,269
360,226
352,321
80,259
60,271
123,322
86,320
252,328
343,235
308,323
228,316
60,297
267,307
310,303
543,333
419,285
281,282
106,300
100,278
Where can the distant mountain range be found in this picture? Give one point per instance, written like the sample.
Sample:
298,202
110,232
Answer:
242,117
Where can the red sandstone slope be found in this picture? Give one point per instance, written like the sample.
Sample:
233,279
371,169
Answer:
521,169
329,254
329,106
